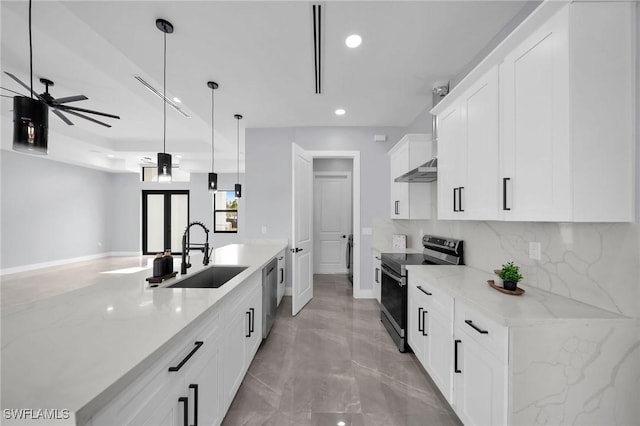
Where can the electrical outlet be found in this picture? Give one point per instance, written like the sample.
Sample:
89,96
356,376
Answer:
534,250
264,229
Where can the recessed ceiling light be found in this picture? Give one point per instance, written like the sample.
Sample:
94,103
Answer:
178,156
354,40
110,155
340,111
177,100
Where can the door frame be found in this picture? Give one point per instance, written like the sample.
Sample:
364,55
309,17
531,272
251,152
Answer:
167,213
358,293
348,175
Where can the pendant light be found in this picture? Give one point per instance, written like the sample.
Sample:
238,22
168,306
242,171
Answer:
164,159
238,187
213,177
30,116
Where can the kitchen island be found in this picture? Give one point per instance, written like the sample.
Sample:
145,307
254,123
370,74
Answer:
72,354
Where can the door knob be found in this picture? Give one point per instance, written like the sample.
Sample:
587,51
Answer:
344,236
296,250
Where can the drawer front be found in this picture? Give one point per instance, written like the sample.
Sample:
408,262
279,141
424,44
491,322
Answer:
436,299
486,332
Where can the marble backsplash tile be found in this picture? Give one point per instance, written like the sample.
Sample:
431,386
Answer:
598,264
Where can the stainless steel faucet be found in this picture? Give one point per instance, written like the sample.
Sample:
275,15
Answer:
187,246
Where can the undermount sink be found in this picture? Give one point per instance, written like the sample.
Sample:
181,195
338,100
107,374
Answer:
212,277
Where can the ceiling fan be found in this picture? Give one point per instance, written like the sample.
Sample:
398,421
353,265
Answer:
58,105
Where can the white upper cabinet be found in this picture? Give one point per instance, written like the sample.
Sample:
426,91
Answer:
558,114
410,200
468,153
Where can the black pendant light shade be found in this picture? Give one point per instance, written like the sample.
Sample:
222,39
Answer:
213,181
164,159
164,167
213,177
30,125
238,187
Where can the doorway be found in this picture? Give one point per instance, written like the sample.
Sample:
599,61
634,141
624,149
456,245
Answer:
332,217
302,238
165,216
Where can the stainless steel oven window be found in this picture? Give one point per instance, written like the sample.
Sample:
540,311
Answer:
393,293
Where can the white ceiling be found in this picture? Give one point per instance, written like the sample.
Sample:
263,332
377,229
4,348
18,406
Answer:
261,54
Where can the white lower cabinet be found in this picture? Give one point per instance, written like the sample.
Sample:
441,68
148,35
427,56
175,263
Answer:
376,268
480,375
195,381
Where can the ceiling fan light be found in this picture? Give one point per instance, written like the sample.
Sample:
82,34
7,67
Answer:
30,125
164,167
213,181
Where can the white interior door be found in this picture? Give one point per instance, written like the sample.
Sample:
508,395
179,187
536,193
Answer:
332,221
302,232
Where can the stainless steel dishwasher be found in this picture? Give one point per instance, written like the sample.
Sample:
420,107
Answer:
269,296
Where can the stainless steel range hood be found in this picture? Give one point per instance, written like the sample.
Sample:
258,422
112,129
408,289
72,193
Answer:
428,172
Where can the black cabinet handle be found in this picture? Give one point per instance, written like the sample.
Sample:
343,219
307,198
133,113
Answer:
281,275
424,323
377,275
424,291
420,328
183,362
455,356
472,325
455,208
253,316
195,403
248,325
504,193
397,207
185,400
460,209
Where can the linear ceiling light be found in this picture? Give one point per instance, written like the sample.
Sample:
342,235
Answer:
317,45
161,96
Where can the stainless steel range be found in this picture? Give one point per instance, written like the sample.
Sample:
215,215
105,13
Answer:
437,251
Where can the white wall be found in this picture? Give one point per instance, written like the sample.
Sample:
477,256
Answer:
52,211
268,176
332,165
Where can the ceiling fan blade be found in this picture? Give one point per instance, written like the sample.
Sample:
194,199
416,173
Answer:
12,91
24,85
70,99
88,118
88,111
62,117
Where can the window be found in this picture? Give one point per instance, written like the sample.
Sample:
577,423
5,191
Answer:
225,211
150,174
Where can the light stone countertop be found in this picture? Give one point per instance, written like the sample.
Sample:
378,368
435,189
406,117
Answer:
469,285
76,350
387,248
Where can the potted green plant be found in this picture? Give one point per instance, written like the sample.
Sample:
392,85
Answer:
510,275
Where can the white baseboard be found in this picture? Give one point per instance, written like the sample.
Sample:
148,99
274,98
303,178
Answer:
364,294
36,266
287,291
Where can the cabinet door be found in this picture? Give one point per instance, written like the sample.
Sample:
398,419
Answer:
376,275
480,191
166,410
451,162
282,271
234,351
536,138
480,386
255,330
416,318
399,162
440,352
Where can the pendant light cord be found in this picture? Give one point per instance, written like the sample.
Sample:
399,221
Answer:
164,96
212,132
238,152
30,52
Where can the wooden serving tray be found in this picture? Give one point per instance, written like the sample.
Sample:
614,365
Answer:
156,280
517,292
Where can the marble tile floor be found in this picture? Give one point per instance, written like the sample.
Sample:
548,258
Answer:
334,364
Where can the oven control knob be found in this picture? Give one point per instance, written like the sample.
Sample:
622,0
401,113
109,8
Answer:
451,244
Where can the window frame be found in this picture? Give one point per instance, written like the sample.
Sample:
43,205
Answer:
225,210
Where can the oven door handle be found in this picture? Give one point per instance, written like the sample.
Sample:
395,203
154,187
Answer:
398,278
